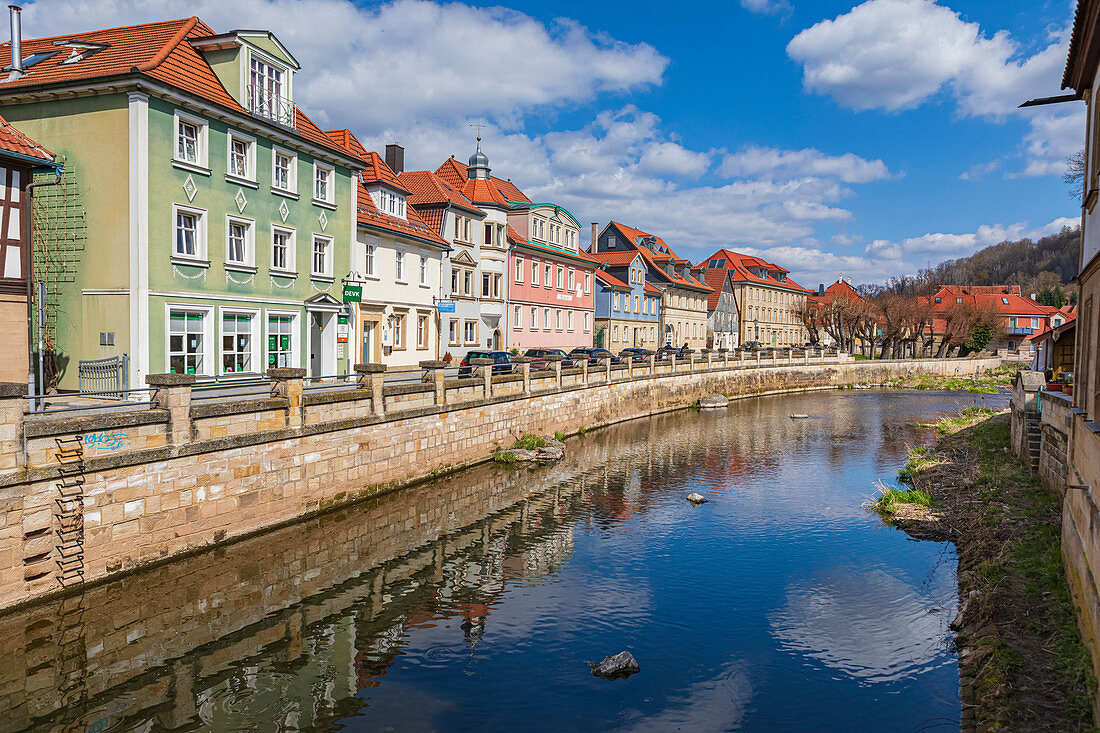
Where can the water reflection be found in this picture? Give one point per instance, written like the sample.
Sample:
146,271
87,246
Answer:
474,601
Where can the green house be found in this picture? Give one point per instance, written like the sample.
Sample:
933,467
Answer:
204,223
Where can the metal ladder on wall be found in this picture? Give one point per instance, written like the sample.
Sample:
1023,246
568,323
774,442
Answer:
69,526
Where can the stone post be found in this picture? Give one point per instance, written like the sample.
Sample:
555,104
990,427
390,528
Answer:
652,364
724,354
606,361
486,366
556,361
710,358
525,370
12,402
629,364
434,373
584,372
287,383
672,362
173,393
690,359
372,376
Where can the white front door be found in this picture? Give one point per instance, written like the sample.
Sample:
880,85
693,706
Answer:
322,344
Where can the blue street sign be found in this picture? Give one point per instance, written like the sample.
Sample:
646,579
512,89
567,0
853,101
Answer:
445,306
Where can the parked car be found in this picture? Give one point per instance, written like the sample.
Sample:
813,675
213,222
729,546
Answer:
541,354
751,346
667,352
635,355
593,355
502,363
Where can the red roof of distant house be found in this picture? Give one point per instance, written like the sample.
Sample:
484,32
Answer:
611,281
642,241
716,279
479,190
13,141
652,290
738,265
160,50
1006,299
617,259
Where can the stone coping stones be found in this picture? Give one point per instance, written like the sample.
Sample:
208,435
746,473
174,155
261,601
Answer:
522,359
170,380
281,373
553,357
370,368
433,364
714,402
481,362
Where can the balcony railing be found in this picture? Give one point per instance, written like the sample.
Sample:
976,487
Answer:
269,106
1019,330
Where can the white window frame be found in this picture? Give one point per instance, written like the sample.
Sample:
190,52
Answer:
295,337
518,317
292,249
210,353
423,339
370,257
454,332
535,273
587,321
249,260
534,318
201,162
466,324
423,272
330,185
329,256
249,157
201,255
569,320
399,274
254,354
292,170
519,269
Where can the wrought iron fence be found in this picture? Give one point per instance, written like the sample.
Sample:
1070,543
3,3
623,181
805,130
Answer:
105,378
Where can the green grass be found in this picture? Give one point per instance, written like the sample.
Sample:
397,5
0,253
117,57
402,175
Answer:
988,382
559,436
890,500
920,458
582,430
504,456
529,442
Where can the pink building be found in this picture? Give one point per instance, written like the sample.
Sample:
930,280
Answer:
550,281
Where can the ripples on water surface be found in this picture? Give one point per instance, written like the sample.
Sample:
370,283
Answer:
473,603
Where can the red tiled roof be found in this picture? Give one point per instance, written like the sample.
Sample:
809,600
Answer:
716,280
481,191
452,172
13,141
427,189
611,281
432,216
658,259
617,258
509,190
995,295
412,225
652,290
160,50
346,139
738,265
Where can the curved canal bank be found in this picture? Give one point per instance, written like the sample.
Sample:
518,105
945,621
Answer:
474,601
1023,663
161,482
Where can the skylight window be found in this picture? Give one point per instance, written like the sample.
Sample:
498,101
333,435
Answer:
80,49
38,58
1004,300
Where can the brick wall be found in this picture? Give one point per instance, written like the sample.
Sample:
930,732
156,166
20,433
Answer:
191,475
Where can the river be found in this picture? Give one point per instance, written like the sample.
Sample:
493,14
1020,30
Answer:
474,601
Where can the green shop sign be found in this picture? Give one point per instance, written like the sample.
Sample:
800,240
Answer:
353,293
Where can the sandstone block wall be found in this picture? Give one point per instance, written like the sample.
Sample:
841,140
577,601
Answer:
230,470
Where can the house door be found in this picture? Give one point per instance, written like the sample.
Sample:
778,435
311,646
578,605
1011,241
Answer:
496,340
668,335
321,332
368,342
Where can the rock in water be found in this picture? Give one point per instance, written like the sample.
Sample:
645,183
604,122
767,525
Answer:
622,664
696,498
714,402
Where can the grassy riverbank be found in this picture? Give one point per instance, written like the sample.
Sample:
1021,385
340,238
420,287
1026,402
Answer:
1021,659
989,382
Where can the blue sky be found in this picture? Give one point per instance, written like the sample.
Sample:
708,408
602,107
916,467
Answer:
865,138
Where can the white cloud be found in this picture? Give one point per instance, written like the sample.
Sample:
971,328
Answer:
775,163
943,246
898,54
403,60
979,170
767,7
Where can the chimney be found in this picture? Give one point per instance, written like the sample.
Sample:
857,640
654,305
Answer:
820,290
16,43
595,236
395,158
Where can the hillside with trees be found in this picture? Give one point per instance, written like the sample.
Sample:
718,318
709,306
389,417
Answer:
1049,263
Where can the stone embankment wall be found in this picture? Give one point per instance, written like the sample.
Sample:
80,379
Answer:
180,476
1066,455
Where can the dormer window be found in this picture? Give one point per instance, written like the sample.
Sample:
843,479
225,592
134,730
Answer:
267,93
393,204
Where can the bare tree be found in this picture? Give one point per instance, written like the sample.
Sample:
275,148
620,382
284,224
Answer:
1074,177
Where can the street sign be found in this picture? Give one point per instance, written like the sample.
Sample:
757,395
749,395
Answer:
353,293
445,306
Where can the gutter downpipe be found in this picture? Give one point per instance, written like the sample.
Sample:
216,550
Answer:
28,232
